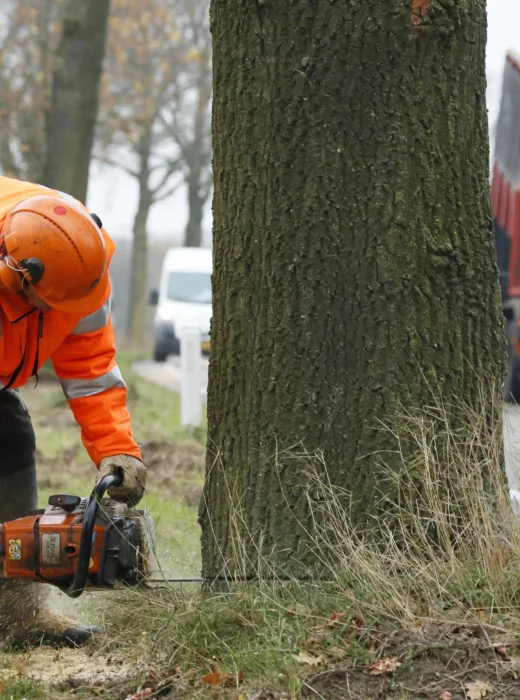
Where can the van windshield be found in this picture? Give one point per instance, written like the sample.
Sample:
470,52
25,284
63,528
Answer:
193,287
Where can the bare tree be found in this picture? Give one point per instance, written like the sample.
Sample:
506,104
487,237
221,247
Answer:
28,37
142,67
188,118
71,117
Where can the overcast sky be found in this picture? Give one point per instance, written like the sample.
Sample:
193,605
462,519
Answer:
113,195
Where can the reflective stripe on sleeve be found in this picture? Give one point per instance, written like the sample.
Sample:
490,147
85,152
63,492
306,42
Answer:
94,321
79,388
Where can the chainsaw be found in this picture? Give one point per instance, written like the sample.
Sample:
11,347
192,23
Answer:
78,543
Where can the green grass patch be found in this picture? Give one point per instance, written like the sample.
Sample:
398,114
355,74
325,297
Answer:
265,636
24,689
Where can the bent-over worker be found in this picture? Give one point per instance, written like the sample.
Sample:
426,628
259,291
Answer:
55,304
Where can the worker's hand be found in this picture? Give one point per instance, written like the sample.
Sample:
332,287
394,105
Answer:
133,472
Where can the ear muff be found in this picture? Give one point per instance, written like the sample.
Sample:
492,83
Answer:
12,276
32,270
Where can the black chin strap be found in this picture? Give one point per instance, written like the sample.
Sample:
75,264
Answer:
17,371
37,357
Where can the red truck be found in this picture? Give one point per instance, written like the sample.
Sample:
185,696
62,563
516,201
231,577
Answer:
505,197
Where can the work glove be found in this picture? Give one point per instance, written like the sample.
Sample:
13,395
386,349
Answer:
133,472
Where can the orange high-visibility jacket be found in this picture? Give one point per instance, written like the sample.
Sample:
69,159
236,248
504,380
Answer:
80,346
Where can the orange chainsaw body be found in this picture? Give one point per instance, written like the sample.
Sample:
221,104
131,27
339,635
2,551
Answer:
46,547
77,543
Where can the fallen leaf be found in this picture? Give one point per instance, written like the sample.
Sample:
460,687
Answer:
320,631
337,617
140,694
477,690
358,622
482,616
501,558
337,653
445,696
308,659
18,666
312,641
501,651
383,667
515,667
215,678
334,620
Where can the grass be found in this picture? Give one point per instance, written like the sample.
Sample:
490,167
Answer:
254,633
441,585
22,689
433,609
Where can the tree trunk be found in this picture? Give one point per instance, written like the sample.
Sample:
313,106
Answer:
197,154
138,279
71,117
7,159
196,202
354,265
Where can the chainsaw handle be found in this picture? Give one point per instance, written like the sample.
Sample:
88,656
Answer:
80,580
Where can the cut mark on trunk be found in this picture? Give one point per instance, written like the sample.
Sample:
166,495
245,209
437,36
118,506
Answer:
420,9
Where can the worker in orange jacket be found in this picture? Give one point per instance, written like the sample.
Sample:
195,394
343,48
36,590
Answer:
55,303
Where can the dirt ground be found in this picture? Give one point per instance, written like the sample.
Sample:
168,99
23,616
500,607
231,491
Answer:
441,662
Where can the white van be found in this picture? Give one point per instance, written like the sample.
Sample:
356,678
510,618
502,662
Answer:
183,299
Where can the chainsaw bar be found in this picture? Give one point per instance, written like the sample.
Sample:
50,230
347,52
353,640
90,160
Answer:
175,580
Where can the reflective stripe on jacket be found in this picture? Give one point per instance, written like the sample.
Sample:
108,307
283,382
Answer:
81,348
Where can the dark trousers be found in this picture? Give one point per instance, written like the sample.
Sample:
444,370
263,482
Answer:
20,602
18,490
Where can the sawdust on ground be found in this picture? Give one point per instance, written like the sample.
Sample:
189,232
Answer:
64,667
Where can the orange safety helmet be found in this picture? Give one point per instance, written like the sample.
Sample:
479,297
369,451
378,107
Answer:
58,248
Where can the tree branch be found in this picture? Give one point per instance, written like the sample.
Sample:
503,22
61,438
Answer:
116,164
172,168
173,129
157,197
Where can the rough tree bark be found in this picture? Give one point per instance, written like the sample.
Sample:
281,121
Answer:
353,248
71,117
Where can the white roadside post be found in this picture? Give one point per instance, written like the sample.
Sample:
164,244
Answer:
191,359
